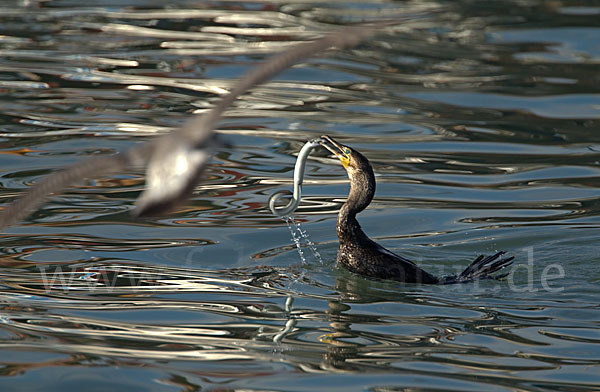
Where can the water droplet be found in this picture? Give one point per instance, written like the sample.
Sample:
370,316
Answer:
299,236
290,223
311,245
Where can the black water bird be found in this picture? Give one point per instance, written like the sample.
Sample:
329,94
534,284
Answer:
360,254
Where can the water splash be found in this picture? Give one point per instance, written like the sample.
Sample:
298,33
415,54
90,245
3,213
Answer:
311,245
301,238
289,220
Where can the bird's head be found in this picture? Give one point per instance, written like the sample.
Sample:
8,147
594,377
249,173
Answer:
360,172
351,159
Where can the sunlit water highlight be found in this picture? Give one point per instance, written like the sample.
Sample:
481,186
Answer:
480,121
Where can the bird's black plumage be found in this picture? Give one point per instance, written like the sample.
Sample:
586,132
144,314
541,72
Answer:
360,254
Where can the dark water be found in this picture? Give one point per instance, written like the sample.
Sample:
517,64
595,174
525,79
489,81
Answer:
481,120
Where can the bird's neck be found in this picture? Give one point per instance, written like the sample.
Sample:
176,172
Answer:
362,190
348,228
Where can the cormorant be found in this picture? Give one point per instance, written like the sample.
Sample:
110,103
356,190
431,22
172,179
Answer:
360,254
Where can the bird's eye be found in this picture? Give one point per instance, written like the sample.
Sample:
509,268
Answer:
347,151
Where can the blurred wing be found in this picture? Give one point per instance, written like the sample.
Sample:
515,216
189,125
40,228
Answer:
175,169
178,160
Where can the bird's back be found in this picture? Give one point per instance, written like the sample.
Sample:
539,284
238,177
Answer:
364,256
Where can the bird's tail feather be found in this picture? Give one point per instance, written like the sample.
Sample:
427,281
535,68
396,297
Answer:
482,268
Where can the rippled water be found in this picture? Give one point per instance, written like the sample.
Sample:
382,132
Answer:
480,119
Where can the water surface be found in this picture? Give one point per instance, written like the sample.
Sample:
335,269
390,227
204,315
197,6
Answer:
480,120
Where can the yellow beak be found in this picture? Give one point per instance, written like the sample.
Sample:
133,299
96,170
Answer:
339,150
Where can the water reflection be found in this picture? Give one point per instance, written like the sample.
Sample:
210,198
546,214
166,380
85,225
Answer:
478,121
